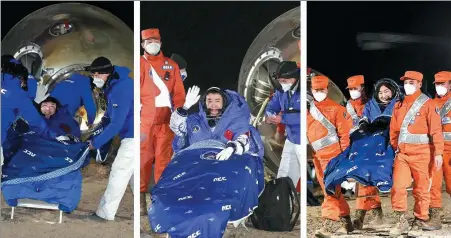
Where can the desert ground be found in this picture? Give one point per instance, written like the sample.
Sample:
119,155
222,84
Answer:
314,220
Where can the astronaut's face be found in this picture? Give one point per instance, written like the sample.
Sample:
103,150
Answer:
385,94
214,103
48,109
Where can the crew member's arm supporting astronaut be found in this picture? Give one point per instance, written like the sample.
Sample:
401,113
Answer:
178,125
88,101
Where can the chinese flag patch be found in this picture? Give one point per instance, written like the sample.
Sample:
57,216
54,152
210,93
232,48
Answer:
228,134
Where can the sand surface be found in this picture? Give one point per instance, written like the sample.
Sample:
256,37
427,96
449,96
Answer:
314,220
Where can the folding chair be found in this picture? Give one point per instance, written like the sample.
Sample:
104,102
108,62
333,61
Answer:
38,205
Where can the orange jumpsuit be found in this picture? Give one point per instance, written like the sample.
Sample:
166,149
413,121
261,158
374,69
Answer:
334,206
358,106
445,171
158,144
413,160
365,203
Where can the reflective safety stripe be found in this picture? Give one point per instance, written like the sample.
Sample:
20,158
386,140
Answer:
446,108
405,136
354,116
447,136
445,120
163,99
331,137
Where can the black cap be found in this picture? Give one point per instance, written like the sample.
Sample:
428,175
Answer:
288,69
101,65
179,60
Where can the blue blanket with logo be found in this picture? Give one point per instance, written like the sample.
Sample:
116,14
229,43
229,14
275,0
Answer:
45,170
198,195
369,160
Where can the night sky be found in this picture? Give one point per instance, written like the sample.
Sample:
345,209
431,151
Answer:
213,37
332,47
11,16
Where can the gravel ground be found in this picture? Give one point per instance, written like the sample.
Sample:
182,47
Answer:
314,220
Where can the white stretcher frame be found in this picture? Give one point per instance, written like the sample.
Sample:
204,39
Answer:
29,203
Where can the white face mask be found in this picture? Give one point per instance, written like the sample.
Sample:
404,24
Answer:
98,82
355,94
410,89
286,86
319,96
152,48
441,91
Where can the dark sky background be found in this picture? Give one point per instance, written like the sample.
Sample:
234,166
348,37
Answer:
11,16
213,37
332,28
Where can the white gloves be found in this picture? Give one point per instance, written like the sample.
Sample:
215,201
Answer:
178,124
163,99
41,92
191,97
225,154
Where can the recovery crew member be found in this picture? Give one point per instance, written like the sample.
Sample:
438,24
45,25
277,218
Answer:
355,108
75,92
147,117
15,100
443,101
118,120
414,123
286,101
170,94
223,115
328,127
181,62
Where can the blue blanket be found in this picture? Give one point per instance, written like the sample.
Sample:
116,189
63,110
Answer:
45,170
369,160
197,195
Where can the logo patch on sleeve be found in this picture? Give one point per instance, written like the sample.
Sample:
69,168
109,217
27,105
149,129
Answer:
196,129
115,105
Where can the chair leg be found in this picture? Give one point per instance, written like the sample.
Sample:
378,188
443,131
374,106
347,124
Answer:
12,213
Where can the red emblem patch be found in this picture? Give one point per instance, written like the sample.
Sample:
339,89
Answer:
228,134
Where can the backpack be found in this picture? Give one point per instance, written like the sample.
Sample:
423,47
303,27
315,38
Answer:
278,206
